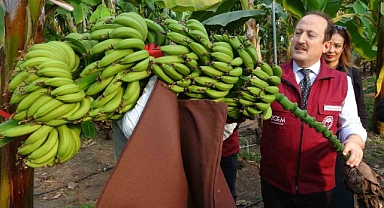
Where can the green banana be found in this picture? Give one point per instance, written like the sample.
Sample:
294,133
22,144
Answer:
175,49
55,113
216,94
218,38
73,97
194,24
223,49
260,74
200,50
87,81
57,81
228,79
210,71
27,149
277,70
238,61
181,68
21,130
126,32
219,56
17,80
237,71
104,45
30,99
38,104
169,59
20,116
133,20
141,65
54,72
114,69
102,100
259,83
157,30
85,106
267,113
66,89
247,60
50,136
114,103
274,80
98,86
47,108
115,55
136,56
222,86
131,43
161,74
179,38
266,68
272,89
267,98
135,76
171,72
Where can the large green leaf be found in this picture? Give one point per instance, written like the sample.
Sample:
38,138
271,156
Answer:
294,7
101,11
88,129
359,43
125,6
188,5
240,17
225,6
332,7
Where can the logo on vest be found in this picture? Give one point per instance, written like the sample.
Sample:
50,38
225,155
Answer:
328,121
278,120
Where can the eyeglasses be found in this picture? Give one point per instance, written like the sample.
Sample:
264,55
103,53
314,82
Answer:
340,27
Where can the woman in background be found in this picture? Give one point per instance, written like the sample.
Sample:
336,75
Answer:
340,58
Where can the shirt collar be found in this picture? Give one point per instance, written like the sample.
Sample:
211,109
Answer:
315,68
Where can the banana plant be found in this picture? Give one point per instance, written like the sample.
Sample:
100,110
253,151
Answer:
16,187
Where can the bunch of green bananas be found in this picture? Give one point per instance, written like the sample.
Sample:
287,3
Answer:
98,76
45,145
257,93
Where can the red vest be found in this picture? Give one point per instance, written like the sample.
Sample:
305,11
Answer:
231,144
295,158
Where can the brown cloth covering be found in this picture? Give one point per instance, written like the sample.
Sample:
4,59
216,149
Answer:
150,171
202,127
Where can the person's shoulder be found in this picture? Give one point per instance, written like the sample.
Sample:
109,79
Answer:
286,64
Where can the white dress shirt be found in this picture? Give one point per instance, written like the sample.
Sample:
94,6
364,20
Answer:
349,120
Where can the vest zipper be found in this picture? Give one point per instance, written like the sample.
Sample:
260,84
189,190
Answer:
299,159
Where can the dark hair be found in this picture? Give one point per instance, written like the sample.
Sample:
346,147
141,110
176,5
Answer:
346,58
329,30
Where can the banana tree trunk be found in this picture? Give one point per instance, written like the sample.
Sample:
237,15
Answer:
16,186
378,127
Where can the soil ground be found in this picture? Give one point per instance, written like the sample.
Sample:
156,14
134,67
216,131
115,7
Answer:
78,182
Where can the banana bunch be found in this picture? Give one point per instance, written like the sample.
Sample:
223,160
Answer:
257,94
82,45
155,33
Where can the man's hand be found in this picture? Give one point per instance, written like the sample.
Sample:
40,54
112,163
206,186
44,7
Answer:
353,145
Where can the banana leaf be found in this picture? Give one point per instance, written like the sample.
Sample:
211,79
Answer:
88,129
225,6
293,7
362,9
189,5
332,7
232,20
361,45
4,141
101,11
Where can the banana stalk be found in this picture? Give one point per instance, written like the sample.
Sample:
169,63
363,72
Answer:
311,121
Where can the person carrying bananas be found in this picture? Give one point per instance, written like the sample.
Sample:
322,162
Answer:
229,163
298,164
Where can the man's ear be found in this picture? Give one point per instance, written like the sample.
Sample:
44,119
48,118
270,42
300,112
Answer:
327,46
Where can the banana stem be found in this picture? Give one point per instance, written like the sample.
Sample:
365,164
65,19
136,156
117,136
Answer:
311,121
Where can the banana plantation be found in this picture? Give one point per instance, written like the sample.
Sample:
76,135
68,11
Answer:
71,68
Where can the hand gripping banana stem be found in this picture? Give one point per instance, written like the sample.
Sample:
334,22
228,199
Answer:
311,121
